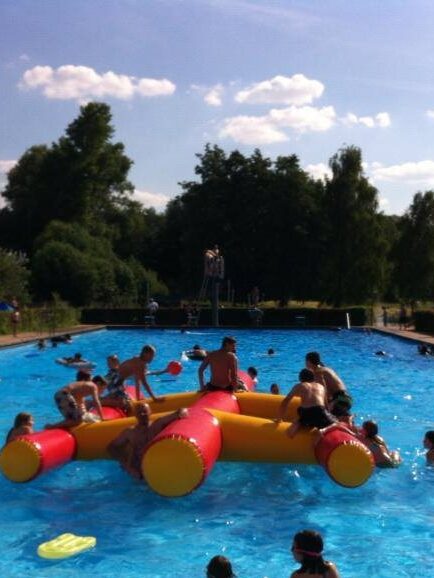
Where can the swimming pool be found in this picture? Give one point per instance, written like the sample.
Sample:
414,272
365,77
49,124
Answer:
247,512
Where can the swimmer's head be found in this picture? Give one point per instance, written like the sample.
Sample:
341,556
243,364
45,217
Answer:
148,353
370,428
219,567
306,375
23,418
307,547
229,343
143,413
196,347
113,361
428,441
252,372
83,375
275,389
313,359
270,351
77,356
100,382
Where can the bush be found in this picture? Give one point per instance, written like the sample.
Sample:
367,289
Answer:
43,320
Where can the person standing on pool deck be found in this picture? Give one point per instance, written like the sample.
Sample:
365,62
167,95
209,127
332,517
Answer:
223,364
312,411
307,548
137,367
335,387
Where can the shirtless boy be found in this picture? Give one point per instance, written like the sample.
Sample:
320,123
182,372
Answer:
71,403
312,411
223,365
137,367
336,390
129,446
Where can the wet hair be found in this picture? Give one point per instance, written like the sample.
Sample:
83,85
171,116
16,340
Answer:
83,375
313,357
370,428
197,347
228,340
270,351
77,355
274,388
252,371
99,380
430,436
306,375
22,419
309,544
220,567
148,349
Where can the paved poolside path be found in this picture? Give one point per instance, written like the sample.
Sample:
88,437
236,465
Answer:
28,336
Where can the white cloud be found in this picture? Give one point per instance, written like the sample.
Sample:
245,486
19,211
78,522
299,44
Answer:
267,129
156,200
383,203
430,113
81,83
381,120
252,130
6,166
304,118
213,97
319,171
421,172
296,90
24,57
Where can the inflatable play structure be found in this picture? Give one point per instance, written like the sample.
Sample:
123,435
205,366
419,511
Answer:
220,426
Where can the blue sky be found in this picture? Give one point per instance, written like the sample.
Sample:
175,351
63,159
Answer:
287,77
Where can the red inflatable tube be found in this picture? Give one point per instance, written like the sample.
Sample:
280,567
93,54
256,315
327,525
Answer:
346,460
30,455
180,458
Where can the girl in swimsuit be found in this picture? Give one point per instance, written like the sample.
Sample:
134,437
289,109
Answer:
307,549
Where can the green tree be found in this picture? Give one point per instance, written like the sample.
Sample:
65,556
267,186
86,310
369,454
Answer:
414,250
14,275
355,247
78,178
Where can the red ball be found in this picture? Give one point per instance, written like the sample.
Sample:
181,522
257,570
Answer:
174,367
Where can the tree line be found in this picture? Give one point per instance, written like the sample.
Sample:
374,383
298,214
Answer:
70,227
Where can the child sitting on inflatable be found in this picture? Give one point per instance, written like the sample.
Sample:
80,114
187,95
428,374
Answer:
312,411
23,425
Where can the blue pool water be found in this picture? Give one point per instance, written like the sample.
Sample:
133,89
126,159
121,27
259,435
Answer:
248,512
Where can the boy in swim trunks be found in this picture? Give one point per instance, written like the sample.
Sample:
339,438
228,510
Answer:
312,411
223,364
117,395
336,391
71,402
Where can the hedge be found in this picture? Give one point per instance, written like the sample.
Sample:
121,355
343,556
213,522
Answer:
424,321
41,319
302,316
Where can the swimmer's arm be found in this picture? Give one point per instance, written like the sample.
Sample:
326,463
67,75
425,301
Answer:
284,405
333,571
158,371
149,390
97,402
233,368
116,448
201,371
162,422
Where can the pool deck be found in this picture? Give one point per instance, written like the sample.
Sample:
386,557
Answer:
28,337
